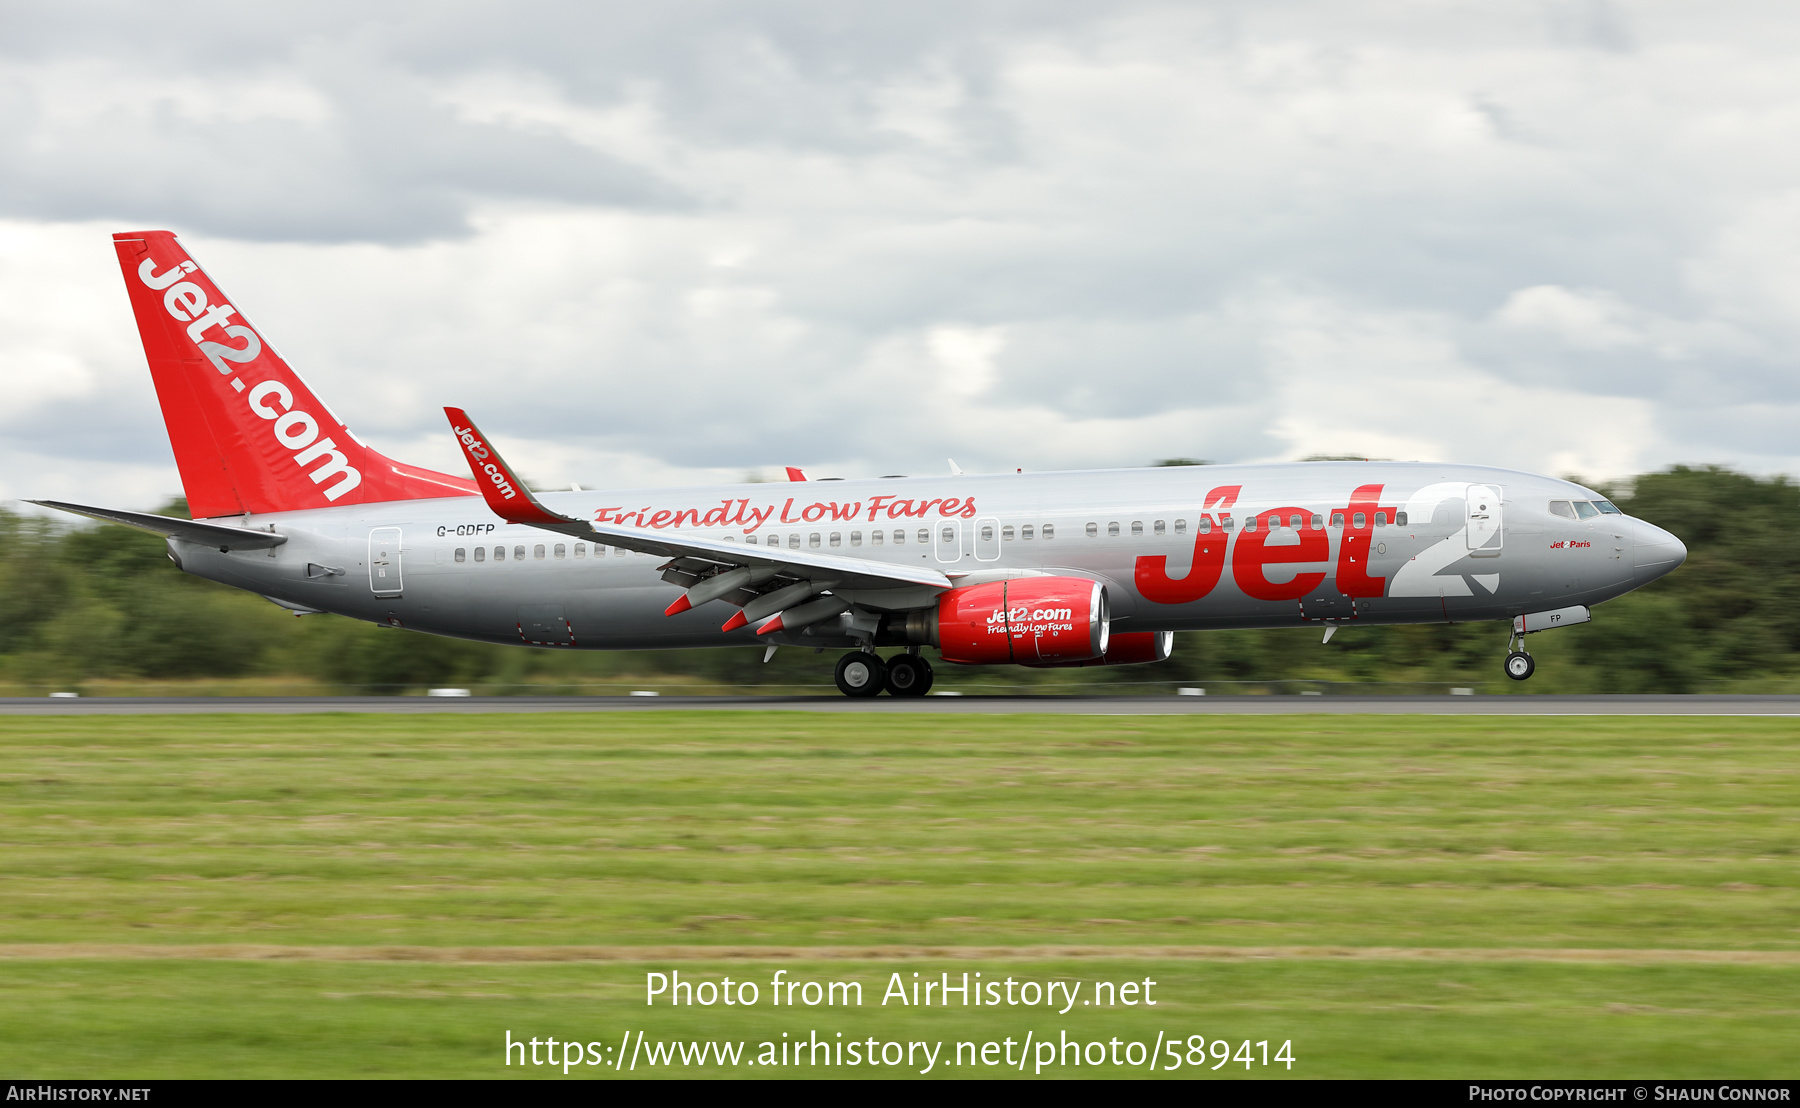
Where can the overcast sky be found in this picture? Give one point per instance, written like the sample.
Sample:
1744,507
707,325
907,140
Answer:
680,242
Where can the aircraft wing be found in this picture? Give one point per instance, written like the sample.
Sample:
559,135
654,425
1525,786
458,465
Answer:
220,535
692,555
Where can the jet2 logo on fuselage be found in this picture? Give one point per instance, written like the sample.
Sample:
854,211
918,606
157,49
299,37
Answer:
1251,555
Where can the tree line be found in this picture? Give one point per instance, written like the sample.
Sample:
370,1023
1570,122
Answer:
102,606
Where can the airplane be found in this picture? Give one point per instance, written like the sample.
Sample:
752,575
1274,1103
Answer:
1039,569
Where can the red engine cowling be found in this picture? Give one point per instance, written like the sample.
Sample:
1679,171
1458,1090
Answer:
1030,620
1128,648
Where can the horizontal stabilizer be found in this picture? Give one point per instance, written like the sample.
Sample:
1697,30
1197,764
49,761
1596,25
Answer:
187,530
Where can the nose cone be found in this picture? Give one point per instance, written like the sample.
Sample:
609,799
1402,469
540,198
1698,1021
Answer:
1656,551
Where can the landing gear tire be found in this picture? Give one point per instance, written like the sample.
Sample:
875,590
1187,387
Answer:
908,675
860,674
1519,665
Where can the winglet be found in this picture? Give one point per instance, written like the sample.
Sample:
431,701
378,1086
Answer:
505,494
795,473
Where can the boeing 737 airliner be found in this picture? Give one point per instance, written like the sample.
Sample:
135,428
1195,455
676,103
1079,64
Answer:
1041,569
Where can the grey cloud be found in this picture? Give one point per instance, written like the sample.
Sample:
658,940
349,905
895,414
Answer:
1122,368
386,166
1396,163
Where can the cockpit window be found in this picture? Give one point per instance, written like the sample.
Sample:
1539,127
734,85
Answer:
1606,508
1585,510
1562,508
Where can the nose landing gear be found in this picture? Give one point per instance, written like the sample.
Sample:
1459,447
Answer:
1518,664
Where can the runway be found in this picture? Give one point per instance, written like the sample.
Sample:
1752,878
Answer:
931,705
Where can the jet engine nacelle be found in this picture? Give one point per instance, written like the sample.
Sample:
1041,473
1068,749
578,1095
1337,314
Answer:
1027,620
1127,648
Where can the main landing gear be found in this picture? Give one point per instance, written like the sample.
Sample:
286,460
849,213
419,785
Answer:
862,673
908,675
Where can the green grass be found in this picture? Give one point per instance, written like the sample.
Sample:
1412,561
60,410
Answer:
779,830
251,1019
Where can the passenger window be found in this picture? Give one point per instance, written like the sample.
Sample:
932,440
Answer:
1137,527
519,553
1025,531
1381,519
1112,529
837,538
1318,522
1206,525
987,533
499,553
1225,522
1093,530
1006,533
793,542
899,538
461,554
1359,521
1250,524
812,540
581,550
560,552
1562,508
1400,519
1585,510
730,538
1181,527
925,536
1158,528
481,553
1049,531
1606,508
856,538
1337,519
1294,522
949,534
876,537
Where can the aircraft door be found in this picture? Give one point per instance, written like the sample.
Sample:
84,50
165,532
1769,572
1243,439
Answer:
946,540
384,561
1486,533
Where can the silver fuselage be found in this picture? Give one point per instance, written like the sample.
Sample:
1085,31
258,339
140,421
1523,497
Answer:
412,563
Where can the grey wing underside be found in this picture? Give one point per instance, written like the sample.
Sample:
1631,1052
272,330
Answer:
695,557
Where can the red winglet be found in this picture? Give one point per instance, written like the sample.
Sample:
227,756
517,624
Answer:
682,604
795,473
735,622
769,627
505,494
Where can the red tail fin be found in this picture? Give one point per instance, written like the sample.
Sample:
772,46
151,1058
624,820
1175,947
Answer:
249,435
